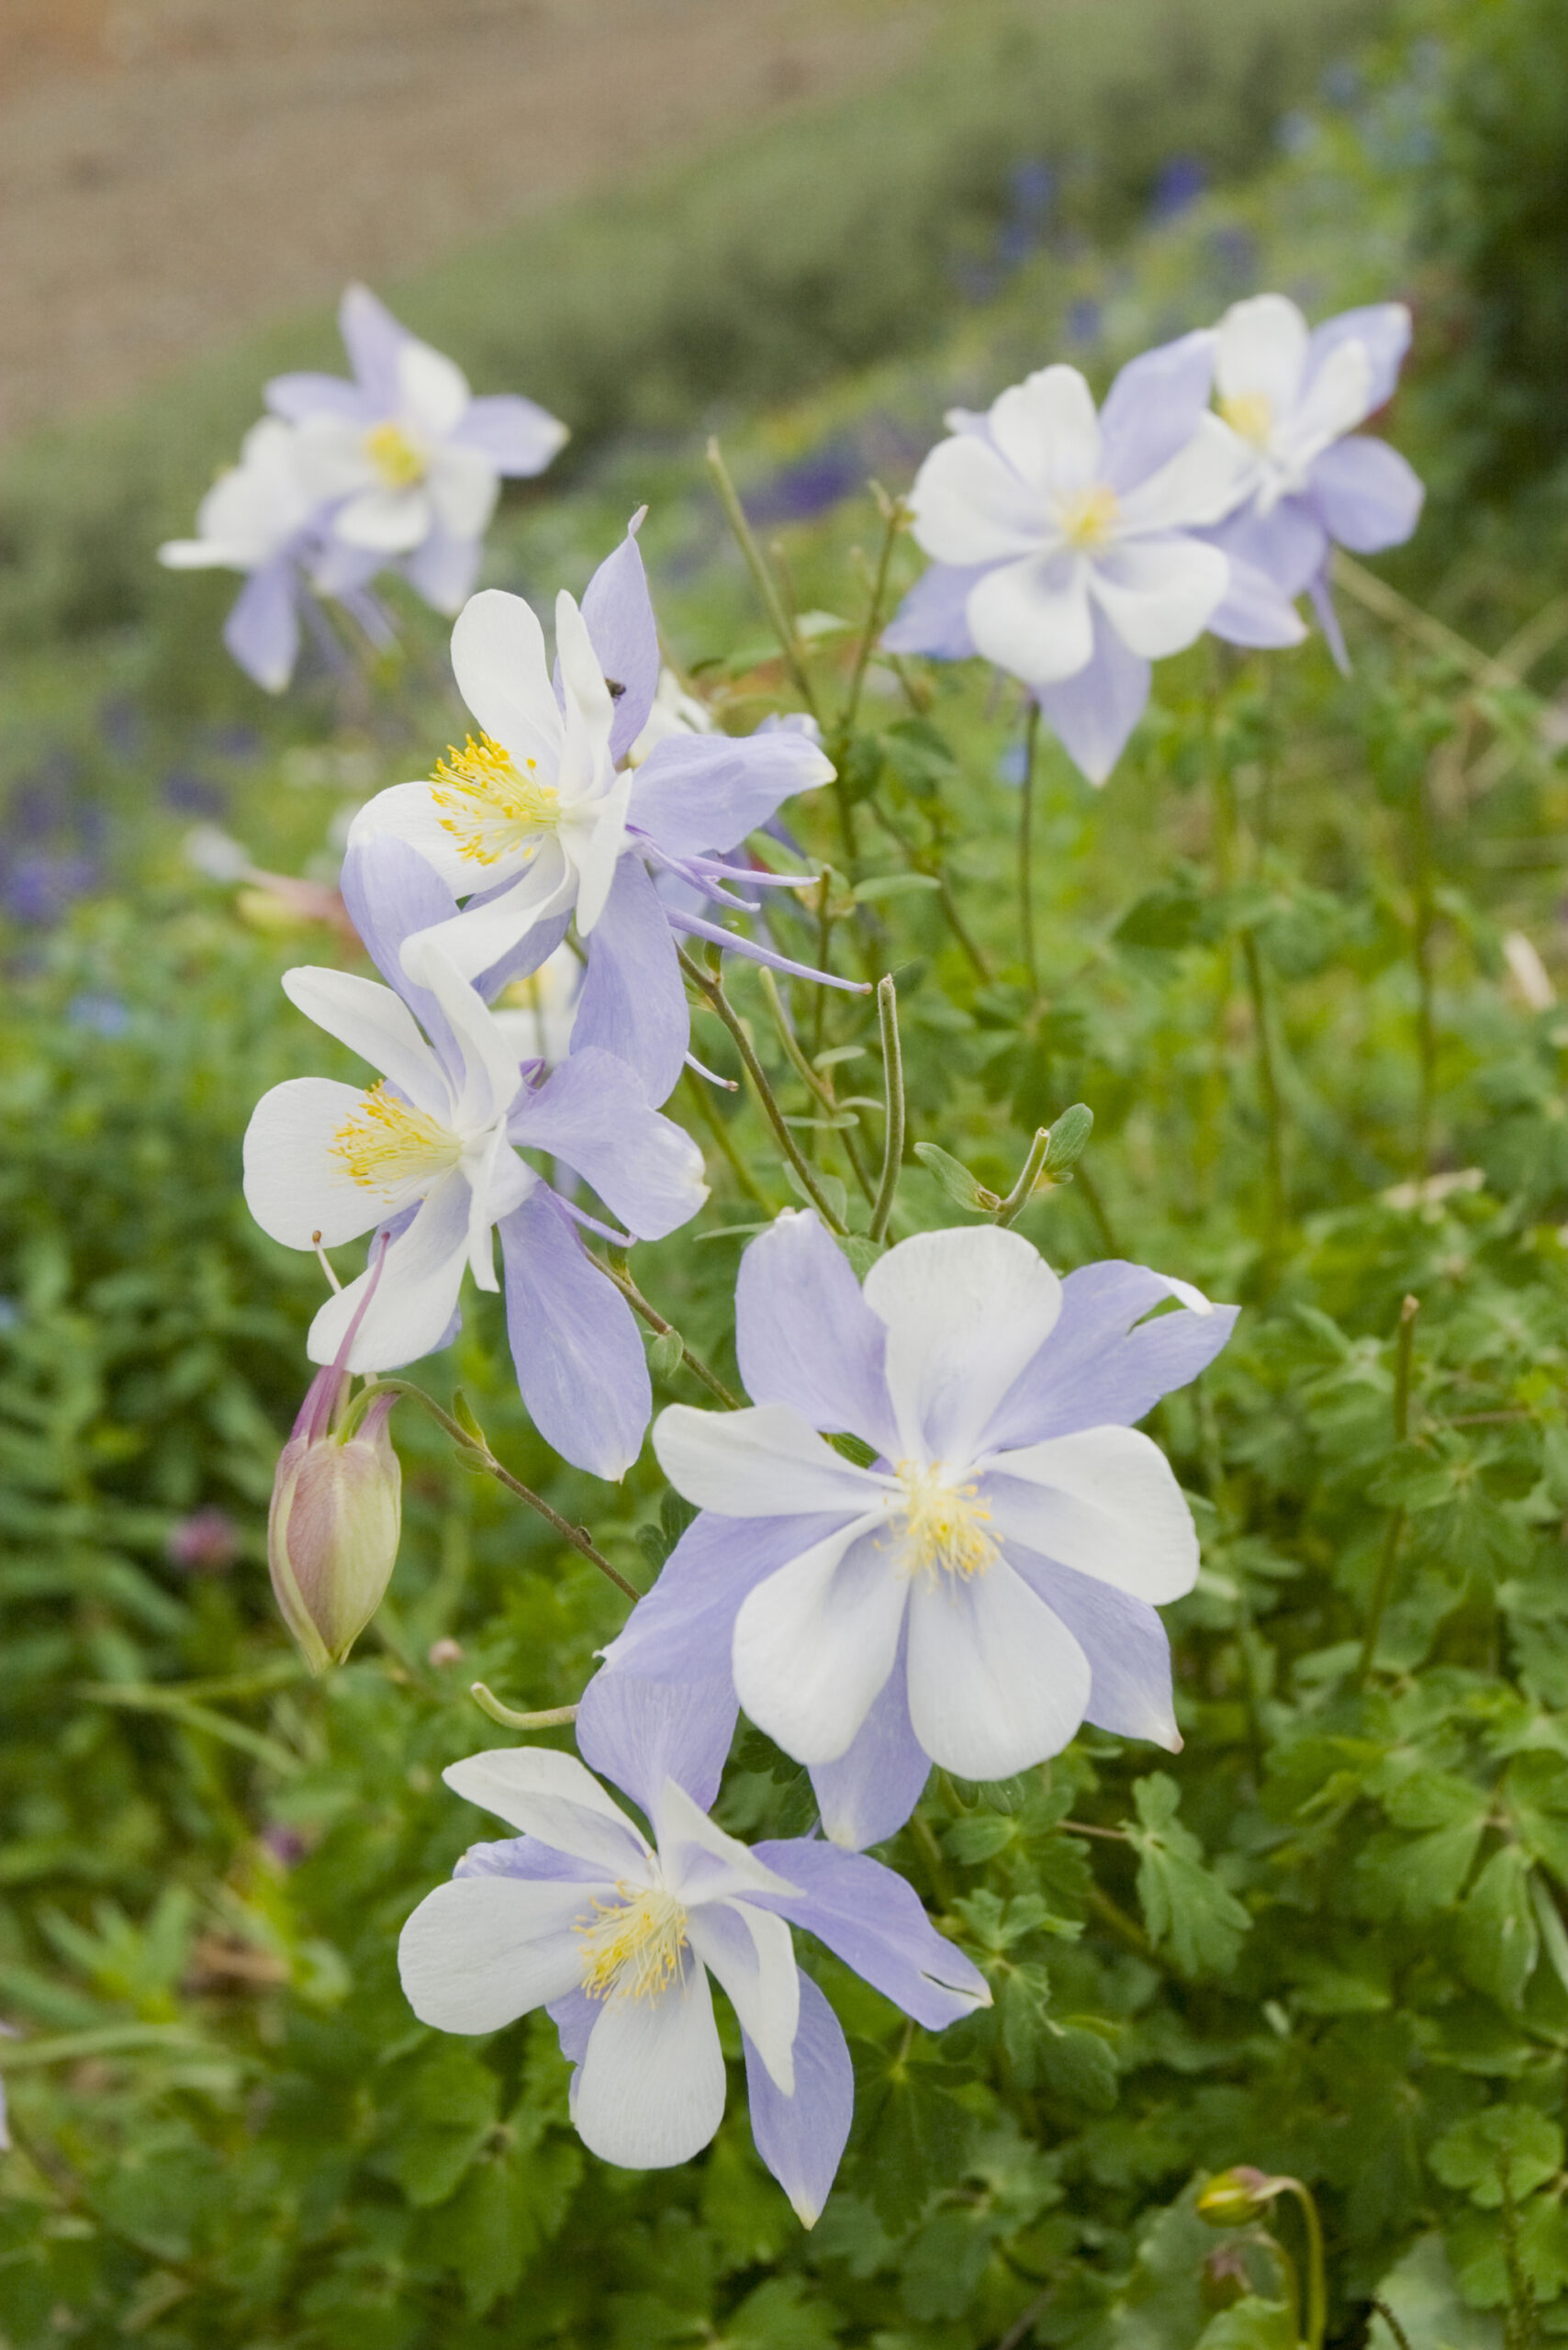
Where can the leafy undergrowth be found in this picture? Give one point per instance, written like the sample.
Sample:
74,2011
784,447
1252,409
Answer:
1278,956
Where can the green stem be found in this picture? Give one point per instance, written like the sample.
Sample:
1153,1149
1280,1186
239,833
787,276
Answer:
919,861
892,1140
553,1716
711,990
1268,1085
1027,849
767,586
721,1134
812,1081
656,1323
1022,1192
824,942
479,1450
1383,1582
1096,1206
1317,2280
1426,1025
892,516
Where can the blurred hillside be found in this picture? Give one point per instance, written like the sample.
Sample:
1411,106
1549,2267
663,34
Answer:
173,172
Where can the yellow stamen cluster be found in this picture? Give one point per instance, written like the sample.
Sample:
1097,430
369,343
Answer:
1252,415
943,1523
387,1142
631,1948
489,804
1089,518
395,457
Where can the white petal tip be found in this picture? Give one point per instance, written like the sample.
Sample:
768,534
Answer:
807,2212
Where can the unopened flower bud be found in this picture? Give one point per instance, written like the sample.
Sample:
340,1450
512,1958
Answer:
1234,2198
336,1515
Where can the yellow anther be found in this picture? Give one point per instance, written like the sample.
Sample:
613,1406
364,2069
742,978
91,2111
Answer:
1252,414
943,1523
395,457
489,804
1089,517
388,1142
631,1947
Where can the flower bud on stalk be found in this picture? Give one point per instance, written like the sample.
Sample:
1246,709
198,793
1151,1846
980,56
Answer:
336,1515
1239,2196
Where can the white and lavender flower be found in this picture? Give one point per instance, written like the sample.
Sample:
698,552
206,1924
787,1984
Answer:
1064,543
406,462
990,1579
540,820
430,1156
618,1936
1294,397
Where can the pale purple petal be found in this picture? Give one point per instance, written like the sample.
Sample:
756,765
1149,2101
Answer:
390,892
633,999
1129,1655
802,2138
1255,612
870,1917
1328,619
573,2018
528,1856
1103,1365
1092,715
592,1112
1287,545
698,792
684,1628
579,1362
873,1787
1151,410
263,628
1365,495
444,571
934,617
298,395
518,436
532,949
805,1336
619,620
640,1733
374,340
1383,330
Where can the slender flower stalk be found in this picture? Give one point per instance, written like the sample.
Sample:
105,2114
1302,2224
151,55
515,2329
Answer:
893,1126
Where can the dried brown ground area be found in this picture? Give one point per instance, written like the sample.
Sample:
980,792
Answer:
174,172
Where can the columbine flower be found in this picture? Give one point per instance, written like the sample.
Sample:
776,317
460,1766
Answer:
430,1156
618,1936
408,460
1064,542
1292,396
991,1580
258,517
536,824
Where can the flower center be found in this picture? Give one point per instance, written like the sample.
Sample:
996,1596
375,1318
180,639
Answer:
387,1143
1089,517
1252,414
489,805
631,1947
395,457
944,1524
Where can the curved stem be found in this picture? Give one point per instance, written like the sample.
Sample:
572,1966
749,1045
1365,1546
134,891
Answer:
712,992
1316,2281
1026,850
656,1323
767,586
552,1717
1018,1198
892,1143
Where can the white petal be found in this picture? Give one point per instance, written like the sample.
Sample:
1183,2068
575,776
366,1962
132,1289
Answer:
996,1682
296,1183
698,1860
597,851
498,658
490,1078
762,1462
966,1311
651,2090
556,1799
752,1952
1199,485
1106,1504
1159,594
409,812
814,1643
463,489
1033,617
969,506
434,389
1047,430
479,1953
1335,402
331,458
417,1295
371,1021
480,936
385,521
1260,347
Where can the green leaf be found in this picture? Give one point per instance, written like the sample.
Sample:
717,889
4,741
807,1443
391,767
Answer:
1423,2293
862,1252
919,754
914,2134
1251,2323
1164,919
944,2266
1079,2062
976,1838
448,2112
1069,1139
1416,1876
955,1178
893,885
1184,1905
1472,2156
1498,1938
666,1354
